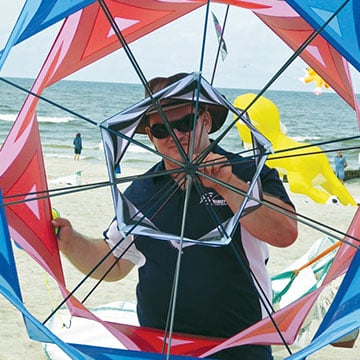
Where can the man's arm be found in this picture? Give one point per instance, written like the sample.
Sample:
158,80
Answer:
85,253
264,223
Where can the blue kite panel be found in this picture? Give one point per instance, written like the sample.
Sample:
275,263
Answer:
342,32
9,281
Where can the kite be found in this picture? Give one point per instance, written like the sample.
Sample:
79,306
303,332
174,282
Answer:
308,174
219,34
312,76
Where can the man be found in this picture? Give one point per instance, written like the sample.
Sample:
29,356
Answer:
218,287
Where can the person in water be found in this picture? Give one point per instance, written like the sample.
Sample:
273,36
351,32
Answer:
218,295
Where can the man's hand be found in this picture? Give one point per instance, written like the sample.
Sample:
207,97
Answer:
65,233
218,167
265,223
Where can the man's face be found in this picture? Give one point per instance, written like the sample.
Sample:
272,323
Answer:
181,119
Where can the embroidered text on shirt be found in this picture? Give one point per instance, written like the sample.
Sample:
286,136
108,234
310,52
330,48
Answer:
212,198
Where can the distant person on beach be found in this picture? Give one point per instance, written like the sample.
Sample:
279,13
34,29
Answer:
77,146
218,292
340,165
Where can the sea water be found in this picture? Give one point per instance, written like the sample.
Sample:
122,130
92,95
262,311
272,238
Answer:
80,106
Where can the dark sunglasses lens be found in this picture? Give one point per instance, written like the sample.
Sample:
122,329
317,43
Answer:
159,131
185,124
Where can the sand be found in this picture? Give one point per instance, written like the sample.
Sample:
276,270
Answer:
90,212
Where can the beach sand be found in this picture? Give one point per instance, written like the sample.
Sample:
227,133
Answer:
90,212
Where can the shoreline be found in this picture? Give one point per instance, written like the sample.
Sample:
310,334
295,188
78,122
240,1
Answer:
352,174
90,213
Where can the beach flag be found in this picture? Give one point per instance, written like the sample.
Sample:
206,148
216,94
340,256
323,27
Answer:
219,33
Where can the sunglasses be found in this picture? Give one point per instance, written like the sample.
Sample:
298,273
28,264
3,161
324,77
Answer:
184,125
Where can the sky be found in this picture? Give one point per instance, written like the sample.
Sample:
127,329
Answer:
254,53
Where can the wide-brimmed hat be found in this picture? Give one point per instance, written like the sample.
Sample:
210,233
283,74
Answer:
177,91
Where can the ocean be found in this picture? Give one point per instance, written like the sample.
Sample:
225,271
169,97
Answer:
306,117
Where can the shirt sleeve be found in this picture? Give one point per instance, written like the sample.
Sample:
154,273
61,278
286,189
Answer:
272,185
112,236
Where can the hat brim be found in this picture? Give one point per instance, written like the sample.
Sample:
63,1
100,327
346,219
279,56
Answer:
218,113
180,90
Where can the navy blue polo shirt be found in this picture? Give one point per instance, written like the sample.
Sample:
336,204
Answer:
216,296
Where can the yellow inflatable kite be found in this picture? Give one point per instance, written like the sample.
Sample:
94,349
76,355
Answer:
307,174
312,76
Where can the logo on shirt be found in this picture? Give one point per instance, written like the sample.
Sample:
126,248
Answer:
212,198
